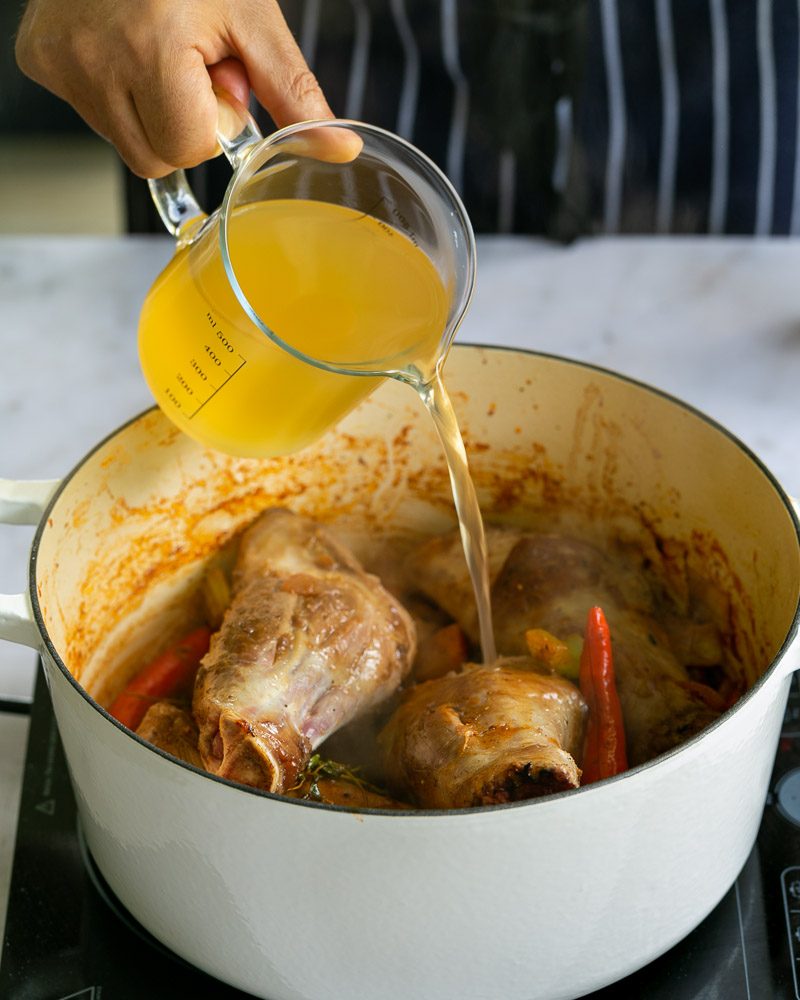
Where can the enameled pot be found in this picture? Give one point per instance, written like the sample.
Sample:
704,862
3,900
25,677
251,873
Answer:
296,901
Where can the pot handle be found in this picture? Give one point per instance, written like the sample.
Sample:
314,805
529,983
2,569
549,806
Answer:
22,502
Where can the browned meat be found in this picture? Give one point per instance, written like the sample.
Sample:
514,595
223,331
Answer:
484,736
309,641
550,581
438,569
171,728
544,577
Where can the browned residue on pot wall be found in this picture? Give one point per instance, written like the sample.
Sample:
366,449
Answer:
151,507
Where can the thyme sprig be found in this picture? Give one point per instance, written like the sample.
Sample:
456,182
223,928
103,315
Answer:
319,767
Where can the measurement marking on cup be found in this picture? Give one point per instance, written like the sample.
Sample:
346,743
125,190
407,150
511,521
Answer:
173,398
220,386
368,213
201,374
379,222
405,225
185,385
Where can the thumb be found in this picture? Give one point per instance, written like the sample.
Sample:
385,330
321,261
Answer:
275,66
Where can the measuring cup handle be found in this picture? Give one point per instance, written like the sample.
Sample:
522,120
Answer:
173,196
236,128
175,201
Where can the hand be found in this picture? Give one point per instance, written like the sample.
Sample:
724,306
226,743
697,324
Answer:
140,72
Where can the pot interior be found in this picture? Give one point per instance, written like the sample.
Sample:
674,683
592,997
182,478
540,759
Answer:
118,561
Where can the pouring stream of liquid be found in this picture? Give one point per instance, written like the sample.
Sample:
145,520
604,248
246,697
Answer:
437,401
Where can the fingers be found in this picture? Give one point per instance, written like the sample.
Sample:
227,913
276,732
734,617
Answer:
329,143
278,72
140,71
157,124
177,109
230,75
121,124
284,84
126,69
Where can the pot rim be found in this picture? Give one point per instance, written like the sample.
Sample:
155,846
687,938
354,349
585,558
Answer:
661,759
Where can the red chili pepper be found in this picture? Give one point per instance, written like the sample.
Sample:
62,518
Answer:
166,675
604,746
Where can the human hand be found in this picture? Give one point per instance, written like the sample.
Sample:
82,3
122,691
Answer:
140,72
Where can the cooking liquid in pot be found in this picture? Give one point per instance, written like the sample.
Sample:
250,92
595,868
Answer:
335,284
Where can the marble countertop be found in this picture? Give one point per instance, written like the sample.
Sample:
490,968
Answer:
714,322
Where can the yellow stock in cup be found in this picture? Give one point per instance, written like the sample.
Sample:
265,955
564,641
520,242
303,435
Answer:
340,255
338,285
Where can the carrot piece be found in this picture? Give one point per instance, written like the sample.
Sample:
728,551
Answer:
445,650
161,678
713,699
604,751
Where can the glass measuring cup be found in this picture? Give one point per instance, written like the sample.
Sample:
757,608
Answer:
340,255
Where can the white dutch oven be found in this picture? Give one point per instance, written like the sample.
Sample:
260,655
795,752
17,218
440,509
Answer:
287,900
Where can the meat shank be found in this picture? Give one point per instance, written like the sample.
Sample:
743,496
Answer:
550,581
309,641
484,736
